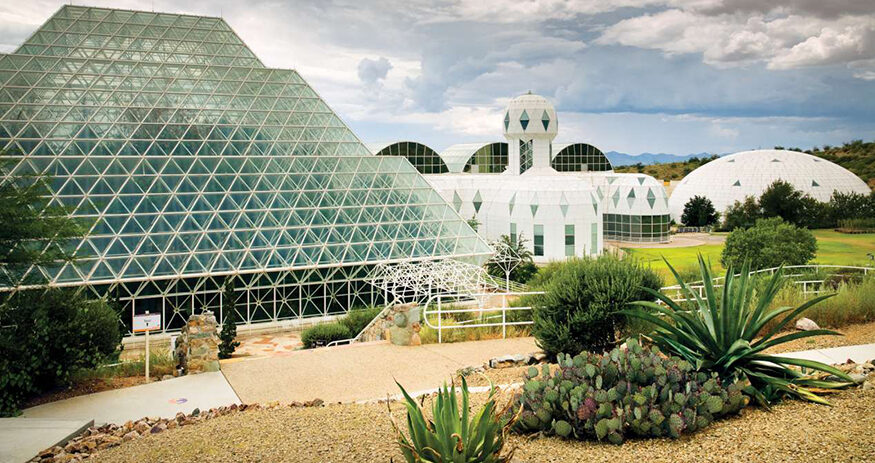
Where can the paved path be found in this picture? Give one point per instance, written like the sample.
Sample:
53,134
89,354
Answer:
23,438
835,355
161,398
360,372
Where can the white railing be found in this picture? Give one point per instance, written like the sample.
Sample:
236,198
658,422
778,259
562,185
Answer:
482,320
810,286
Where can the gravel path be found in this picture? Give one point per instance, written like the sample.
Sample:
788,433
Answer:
335,433
863,333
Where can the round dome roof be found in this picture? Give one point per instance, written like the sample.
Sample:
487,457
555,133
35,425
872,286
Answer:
530,116
748,173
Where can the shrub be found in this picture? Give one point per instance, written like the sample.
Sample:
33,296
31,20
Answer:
358,318
726,335
635,391
451,436
320,335
769,243
45,336
782,200
742,214
866,225
699,212
583,297
844,206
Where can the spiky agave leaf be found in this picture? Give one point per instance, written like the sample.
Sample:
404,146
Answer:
720,334
453,435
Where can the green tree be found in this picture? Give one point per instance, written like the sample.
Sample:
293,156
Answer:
742,214
769,243
33,233
699,212
522,269
473,222
782,200
583,297
228,335
46,335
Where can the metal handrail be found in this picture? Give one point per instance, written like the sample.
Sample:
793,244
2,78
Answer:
481,310
699,286
772,270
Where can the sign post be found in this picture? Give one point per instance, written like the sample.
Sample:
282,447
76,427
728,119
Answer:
146,323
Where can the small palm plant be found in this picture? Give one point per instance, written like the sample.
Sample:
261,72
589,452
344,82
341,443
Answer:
727,334
451,436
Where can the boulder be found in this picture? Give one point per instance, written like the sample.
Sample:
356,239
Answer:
806,324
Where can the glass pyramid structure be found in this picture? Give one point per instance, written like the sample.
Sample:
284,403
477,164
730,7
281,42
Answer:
196,162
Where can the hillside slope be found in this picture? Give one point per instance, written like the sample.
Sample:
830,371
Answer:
857,156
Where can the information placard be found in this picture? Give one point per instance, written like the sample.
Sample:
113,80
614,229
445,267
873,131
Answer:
147,322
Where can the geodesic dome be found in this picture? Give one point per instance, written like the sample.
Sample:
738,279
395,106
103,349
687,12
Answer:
748,173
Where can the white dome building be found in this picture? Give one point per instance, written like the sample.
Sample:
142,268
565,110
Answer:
748,173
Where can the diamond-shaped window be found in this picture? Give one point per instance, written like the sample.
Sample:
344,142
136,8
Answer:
545,119
524,119
478,201
506,120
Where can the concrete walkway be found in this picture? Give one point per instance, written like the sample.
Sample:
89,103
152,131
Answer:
836,355
23,438
360,372
161,398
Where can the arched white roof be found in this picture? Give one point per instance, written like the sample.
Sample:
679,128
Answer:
748,173
456,156
376,147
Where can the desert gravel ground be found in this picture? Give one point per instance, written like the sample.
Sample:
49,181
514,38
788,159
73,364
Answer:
794,431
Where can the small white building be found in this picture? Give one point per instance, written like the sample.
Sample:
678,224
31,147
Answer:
562,199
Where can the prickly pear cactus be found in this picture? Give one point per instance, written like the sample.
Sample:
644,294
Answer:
633,391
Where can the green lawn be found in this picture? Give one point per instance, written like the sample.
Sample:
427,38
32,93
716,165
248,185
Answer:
832,248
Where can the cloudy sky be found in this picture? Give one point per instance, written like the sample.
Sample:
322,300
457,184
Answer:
675,76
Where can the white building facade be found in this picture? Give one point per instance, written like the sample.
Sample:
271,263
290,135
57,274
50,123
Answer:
563,200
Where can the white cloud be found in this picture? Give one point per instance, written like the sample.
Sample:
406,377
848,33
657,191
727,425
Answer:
832,45
372,70
781,40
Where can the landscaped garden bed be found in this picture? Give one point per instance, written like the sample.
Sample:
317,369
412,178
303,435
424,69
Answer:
793,430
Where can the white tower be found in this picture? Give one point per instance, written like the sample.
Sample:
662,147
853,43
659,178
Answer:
530,125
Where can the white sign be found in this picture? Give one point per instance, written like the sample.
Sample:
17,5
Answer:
147,322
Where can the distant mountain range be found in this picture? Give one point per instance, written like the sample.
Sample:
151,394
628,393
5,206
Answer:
623,159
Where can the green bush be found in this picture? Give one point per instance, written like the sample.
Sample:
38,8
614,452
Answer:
321,335
358,318
583,297
45,336
769,243
634,391
742,214
453,435
725,333
699,212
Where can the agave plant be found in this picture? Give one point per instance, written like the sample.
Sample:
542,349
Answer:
727,334
453,436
